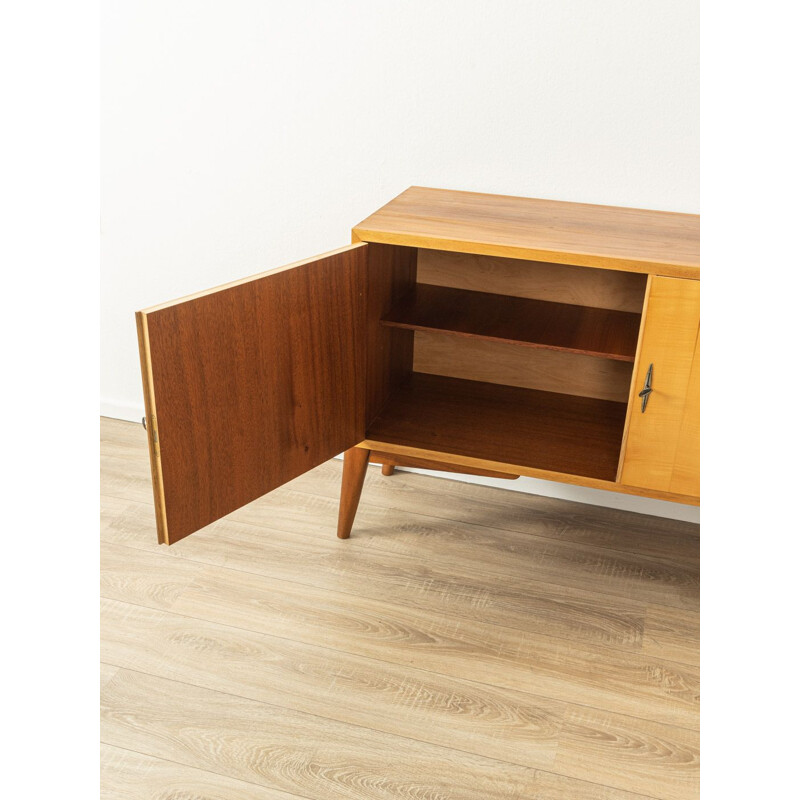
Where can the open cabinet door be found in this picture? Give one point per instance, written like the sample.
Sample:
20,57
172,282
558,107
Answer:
251,384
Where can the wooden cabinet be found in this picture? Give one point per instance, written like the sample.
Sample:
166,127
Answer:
475,333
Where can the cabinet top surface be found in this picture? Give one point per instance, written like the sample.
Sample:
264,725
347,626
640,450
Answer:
611,237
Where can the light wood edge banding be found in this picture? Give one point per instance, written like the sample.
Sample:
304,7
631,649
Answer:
152,428
531,472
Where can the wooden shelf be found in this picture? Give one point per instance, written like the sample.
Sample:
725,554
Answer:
542,430
519,320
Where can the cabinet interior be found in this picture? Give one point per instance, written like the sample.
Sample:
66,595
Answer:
521,362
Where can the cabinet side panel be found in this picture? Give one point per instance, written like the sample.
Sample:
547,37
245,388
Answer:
671,329
391,273
256,383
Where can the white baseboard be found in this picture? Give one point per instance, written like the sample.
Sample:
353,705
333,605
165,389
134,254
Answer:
131,412
578,494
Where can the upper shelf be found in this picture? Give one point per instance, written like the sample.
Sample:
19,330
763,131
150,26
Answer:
610,237
534,323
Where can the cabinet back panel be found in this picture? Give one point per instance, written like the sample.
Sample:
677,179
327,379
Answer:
559,283
509,364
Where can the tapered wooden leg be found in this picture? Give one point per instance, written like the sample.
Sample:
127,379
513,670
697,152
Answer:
353,472
387,469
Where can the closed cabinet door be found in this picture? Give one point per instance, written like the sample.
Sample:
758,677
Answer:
250,385
662,446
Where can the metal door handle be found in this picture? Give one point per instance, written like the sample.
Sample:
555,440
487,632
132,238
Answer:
648,388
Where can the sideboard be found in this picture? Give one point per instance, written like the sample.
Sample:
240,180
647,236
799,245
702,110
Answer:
459,331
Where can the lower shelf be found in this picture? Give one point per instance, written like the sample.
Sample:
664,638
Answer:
543,430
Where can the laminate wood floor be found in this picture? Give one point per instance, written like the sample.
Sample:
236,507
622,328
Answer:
467,643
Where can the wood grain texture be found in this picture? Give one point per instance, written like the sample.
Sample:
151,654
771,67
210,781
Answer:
606,668
107,672
128,775
528,368
563,434
686,469
430,707
586,594
441,658
579,234
615,681
466,715
354,469
530,323
669,341
255,383
123,576
390,461
537,280
391,273
294,752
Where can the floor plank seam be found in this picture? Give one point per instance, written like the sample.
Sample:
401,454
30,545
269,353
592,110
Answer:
199,769
665,520
434,560
366,503
600,644
534,770
540,698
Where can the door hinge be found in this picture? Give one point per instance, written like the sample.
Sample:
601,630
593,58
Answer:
153,429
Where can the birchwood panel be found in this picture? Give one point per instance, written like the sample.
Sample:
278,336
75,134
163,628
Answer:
686,468
610,237
537,280
669,342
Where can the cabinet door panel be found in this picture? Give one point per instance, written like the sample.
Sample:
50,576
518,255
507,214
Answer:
250,385
686,471
662,443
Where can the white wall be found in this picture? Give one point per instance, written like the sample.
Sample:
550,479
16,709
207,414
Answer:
239,135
